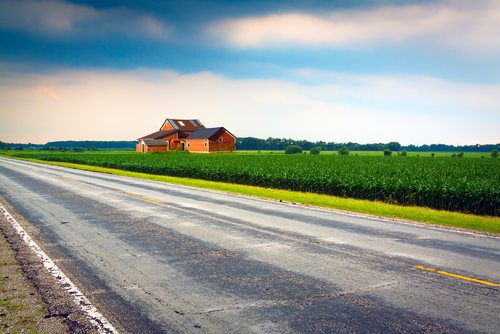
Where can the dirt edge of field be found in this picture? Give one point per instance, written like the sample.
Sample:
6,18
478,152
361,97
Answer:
61,314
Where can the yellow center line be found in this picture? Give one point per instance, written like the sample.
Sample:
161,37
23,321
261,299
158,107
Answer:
141,197
462,277
148,199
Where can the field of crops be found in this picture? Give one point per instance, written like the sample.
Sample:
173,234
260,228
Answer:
466,185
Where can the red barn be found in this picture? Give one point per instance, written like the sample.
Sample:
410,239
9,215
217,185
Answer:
187,135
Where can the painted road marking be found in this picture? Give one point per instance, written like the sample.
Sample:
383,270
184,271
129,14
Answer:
462,277
101,324
154,200
148,199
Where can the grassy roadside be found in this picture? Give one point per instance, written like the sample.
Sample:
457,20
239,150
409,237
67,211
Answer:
419,214
31,299
21,308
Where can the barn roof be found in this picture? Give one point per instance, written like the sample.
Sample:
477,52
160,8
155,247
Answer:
183,124
159,134
155,142
205,133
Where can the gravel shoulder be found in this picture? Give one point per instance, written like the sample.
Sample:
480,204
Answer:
31,301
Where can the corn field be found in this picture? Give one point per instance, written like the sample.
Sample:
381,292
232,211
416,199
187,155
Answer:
465,185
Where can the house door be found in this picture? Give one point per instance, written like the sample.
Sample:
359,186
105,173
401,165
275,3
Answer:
182,146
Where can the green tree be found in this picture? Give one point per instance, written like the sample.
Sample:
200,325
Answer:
315,150
403,153
4,146
387,152
293,149
494,153
343,150
460,155
394,146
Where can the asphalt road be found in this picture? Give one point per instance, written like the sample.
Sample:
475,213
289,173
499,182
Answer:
160,258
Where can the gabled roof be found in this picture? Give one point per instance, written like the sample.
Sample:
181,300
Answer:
184,133
183,124
155,142
159,134
205,133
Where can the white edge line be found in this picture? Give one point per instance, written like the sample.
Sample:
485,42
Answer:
93,315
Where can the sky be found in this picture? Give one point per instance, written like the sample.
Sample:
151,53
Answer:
416,72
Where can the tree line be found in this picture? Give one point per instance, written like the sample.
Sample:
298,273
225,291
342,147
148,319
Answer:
252,143
82,145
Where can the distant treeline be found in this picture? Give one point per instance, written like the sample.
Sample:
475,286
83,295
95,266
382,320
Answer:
251,143
93,145
19,146
85,145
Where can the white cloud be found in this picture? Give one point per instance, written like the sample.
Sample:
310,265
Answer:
110,105
58,19
462,24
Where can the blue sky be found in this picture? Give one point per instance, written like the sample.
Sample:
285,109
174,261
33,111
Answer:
367,71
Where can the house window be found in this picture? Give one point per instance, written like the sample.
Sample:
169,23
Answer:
189,144
182,123
205,144
220,139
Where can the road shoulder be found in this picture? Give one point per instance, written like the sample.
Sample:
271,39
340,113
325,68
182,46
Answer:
30,298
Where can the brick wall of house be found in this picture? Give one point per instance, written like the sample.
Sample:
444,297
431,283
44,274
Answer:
171,138
151,149
226,145
197,145
174,145
167,126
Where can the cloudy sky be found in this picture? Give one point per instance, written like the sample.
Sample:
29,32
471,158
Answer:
411,71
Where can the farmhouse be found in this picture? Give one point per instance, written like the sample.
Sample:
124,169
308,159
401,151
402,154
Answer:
187,135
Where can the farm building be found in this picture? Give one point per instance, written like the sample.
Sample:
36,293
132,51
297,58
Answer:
187,135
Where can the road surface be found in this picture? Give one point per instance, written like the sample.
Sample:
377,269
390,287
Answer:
158,258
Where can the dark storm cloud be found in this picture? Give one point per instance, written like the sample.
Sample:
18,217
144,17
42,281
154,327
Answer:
58,19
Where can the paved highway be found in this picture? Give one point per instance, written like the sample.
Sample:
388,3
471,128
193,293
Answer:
158,258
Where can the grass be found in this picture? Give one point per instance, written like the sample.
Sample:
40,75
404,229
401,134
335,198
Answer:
21,308
418,214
